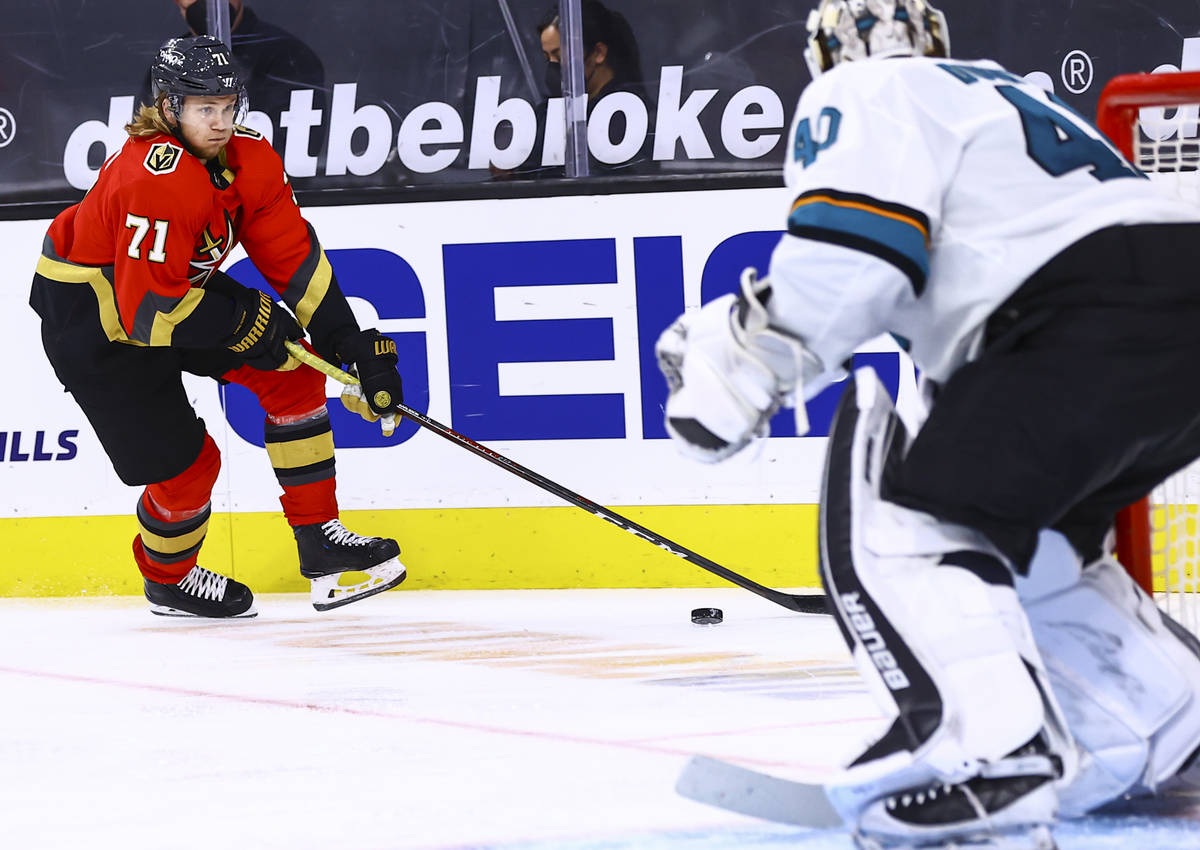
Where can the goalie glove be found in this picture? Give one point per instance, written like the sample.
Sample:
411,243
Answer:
728,372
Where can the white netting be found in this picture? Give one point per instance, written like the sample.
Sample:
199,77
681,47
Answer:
1166,145
1175,544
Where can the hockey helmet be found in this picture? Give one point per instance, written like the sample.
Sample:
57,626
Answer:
196,66
852,30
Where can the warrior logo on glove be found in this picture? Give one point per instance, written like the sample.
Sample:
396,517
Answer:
385,346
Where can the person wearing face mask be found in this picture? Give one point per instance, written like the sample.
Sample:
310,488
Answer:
611,60
611,64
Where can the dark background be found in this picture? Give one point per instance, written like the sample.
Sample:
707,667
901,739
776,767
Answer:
62,61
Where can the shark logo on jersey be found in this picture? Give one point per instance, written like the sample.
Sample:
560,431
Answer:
163,158
212,247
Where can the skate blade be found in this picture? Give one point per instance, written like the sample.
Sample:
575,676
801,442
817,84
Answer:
1035,838
168,611
328,592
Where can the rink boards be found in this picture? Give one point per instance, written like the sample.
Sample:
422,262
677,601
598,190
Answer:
525,324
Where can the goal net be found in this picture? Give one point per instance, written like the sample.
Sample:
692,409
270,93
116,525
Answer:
1155,120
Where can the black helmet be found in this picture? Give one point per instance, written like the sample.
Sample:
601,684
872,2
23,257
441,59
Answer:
196,66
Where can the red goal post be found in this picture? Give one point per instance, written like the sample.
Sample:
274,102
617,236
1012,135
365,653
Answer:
1124,97
1154,119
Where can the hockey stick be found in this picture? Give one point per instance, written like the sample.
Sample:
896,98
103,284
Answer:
801,603
748,792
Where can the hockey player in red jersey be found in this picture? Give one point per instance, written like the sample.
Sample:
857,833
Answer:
130,295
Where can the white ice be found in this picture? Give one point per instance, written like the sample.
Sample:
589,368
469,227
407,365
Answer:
422,719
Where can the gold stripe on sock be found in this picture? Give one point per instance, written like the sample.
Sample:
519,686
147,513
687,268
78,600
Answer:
171,545
296,453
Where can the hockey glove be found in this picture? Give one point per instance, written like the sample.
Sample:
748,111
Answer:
374,358
354,401
728,373
262,328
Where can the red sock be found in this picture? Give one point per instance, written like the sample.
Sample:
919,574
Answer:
173,518
304,504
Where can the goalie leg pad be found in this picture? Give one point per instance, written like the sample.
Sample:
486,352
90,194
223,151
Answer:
1128,683
937,631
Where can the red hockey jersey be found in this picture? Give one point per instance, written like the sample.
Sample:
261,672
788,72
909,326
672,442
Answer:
159,221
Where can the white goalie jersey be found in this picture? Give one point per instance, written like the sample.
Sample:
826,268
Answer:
923,193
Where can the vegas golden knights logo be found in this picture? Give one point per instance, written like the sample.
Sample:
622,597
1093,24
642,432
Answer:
163,158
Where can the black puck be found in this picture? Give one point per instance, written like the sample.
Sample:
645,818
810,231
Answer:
707,616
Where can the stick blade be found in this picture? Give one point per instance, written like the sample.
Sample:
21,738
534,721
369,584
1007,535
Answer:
738,789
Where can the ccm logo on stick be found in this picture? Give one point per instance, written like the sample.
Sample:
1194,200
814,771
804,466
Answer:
872,640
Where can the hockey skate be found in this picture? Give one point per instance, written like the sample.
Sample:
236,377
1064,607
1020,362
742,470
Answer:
201,593
1011,804
331,556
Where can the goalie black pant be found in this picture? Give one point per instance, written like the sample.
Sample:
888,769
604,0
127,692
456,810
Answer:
1086,395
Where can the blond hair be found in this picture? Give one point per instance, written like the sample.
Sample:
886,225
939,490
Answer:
149,120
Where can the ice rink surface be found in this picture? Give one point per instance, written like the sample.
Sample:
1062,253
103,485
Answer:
521,720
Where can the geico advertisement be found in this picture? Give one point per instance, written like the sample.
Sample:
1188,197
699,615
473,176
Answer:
528,325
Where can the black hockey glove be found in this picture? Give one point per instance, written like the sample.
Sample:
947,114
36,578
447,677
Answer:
374,358
262,328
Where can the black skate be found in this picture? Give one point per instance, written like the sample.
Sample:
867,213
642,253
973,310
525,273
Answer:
201,593
1011,805
328,553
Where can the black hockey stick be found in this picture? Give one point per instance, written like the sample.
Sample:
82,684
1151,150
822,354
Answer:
801,603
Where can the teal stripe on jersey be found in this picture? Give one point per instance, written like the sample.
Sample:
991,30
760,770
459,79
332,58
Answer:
899,242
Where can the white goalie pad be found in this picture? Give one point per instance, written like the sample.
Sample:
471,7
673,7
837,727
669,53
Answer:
1128,686
935,626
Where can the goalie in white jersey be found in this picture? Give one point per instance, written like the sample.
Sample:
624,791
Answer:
1047,292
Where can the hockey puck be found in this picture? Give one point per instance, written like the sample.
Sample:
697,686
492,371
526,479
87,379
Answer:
707,616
